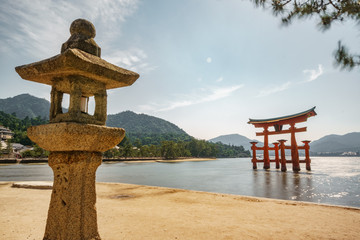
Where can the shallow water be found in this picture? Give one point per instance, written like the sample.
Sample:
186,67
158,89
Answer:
333,180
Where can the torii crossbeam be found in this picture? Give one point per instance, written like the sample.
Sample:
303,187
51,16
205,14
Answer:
278,124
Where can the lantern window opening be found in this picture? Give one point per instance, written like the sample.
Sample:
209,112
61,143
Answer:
65,102
84,104
91,105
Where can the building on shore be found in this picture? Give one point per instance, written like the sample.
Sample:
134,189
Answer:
5,133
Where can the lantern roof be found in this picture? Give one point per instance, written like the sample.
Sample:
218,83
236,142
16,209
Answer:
77,62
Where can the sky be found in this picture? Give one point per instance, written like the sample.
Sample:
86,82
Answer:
205,65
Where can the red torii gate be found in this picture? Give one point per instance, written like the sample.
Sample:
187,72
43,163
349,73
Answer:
278,124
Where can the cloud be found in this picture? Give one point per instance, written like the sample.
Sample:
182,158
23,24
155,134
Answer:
208,60
220,79
269,91
313,74
210,95
133,59
39,27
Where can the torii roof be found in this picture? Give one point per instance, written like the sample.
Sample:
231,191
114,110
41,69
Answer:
308,113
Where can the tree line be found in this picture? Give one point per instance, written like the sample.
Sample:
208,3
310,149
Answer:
170,149
165,145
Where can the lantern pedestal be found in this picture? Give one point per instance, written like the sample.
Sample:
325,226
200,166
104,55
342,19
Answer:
72,212
75,154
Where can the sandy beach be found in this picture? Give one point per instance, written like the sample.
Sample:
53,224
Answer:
128,211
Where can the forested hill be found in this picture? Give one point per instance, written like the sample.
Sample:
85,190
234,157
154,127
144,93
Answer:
143,123
151,130
25,105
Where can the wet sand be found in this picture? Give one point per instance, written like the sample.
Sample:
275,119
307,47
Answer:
128,211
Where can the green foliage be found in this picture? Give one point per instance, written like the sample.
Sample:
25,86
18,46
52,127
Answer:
20,126
327,12
37,152
169,149
155,138
344,59
227,151
202,148
111,153
172,150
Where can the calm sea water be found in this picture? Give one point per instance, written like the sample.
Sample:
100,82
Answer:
333,180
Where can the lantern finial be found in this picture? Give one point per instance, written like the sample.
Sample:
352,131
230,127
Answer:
82,37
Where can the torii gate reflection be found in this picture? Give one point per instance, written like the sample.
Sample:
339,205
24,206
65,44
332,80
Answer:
278,124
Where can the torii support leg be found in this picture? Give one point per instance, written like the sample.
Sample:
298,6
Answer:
254,160
294,150
307,155
266,149
276,148
283,159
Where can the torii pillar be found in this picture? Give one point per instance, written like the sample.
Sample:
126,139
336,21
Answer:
76,139
266,148
294,149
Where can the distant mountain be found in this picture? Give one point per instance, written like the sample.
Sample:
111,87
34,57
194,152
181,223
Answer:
234,139
26,105
142,123
337,143
148,129
136,125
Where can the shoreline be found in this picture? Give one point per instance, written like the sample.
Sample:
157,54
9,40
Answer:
186,160
7,161
128,211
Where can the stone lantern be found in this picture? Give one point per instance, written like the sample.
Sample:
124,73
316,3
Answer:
76,139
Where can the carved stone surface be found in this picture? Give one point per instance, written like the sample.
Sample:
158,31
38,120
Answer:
75,137
82,37
72,212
